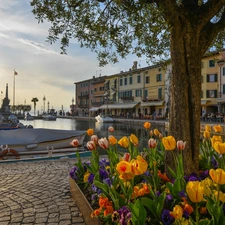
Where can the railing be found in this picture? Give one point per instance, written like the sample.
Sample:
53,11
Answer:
151,98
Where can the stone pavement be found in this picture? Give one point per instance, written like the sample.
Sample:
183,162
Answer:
37,193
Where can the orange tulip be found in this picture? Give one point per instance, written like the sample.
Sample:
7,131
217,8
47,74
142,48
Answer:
169,143
217,128
156,132
215,139
112,140
218,176
147,125
90,132
139,165
206,134
134,139
124,142
208,128
219,147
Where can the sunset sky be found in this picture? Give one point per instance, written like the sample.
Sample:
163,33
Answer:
41,69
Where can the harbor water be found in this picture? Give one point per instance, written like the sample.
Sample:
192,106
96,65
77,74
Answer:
125,128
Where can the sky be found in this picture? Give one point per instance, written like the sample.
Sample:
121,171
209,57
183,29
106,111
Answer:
42,70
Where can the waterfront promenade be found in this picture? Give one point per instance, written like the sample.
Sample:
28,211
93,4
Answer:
37,193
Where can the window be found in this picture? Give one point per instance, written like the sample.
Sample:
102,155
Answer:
223,71
131,80
160,93
211,77
224,89
138,93
158,77
211,63
95,89
147,80
211,93
139,79
146,93
121,82
125,81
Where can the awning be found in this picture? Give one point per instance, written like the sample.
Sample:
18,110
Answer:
119,106
106,82
220,100
204,102
93,109
112,93
158,103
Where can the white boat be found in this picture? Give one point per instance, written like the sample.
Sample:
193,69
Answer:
104,119
28,117
38,139
49,117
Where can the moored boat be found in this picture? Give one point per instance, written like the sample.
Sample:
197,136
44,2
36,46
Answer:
104,119
38,139
49,117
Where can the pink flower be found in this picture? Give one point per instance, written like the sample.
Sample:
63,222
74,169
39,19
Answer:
91,145
74,143
111,129
103,142
181,145
152,143
95,139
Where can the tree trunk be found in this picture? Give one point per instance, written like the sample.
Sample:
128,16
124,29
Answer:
185,105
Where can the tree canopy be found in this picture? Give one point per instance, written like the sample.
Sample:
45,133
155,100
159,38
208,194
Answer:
180,30
121,27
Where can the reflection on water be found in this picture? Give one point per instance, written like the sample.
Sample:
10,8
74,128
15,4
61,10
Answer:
101,129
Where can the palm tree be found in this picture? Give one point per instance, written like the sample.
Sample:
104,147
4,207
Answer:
34,100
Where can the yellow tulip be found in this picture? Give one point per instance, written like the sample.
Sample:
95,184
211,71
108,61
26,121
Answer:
124,142
147,125
208,128
215,139
195,191
218,176
112,140
219,147
177,212
217,128
206,134
134,139
125,170
156,132
221,195
90,132
169,143
86,176
139,164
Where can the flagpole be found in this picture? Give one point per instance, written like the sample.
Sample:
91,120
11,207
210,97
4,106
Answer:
14,89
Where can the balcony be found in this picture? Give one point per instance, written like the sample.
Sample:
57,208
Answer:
128,99
151,98
83,96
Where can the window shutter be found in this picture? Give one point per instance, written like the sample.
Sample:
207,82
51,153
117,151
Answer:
207,94
215,93
215,77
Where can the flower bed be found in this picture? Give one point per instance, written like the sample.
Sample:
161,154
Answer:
132,188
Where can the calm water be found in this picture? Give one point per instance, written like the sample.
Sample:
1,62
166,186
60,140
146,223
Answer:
101,129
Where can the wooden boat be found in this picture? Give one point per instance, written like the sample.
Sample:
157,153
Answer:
38,139
104,119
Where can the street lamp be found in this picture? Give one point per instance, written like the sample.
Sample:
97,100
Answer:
44,104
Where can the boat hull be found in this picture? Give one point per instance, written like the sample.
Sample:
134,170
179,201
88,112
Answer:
39,139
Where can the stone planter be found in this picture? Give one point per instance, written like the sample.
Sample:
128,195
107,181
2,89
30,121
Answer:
82,203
